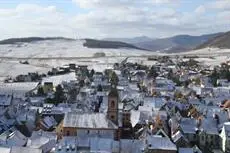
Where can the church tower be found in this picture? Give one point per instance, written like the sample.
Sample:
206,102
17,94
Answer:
113,99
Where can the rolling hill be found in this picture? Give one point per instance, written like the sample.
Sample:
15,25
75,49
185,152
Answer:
178,43
30,39
92,43
89,43
131,40
222,41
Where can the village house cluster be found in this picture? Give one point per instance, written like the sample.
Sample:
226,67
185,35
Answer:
176,105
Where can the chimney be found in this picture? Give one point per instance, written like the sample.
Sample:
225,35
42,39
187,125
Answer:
197,130
216,117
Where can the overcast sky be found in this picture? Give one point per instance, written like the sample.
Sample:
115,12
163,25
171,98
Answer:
112,18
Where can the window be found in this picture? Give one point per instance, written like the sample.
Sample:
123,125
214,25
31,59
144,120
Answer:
212,144
67,133
112,103
211,137
112,117
202,137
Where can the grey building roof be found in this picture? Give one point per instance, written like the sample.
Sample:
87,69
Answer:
18,89
209,126
5,100
160,143
188,125
25,150
186,150
4,150
87,120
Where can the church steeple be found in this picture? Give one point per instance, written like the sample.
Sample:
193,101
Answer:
113,98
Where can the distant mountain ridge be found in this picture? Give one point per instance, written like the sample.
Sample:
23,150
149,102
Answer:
177,43
131,40
220,41
174,44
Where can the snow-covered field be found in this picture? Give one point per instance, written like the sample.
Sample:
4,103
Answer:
208,51
210,56
44,55
61,48
14,68
213,61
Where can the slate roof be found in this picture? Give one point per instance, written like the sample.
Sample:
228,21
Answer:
13,137
25,150
5,100
17,89
188,125
88,120
160,143
185,150
131,146
4,150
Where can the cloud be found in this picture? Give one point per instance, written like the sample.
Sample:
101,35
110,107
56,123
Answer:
32,20
110,18
200,9
34,8
119,3
220,4
164,1
107,4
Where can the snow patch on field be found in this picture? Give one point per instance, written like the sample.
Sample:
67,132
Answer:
207,51
44,55
14,68
60,48
213,61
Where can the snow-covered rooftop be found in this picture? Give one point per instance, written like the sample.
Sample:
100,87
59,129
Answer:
131,146
186,150
17,89
95,120
188,125
25,150
160,143
58,79
4,150
5,100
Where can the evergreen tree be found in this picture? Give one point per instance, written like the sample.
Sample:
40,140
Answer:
92,72
108,72
214,77
40,92
59,96
99,88
37,119
152,73
114,79
81,83
87,73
